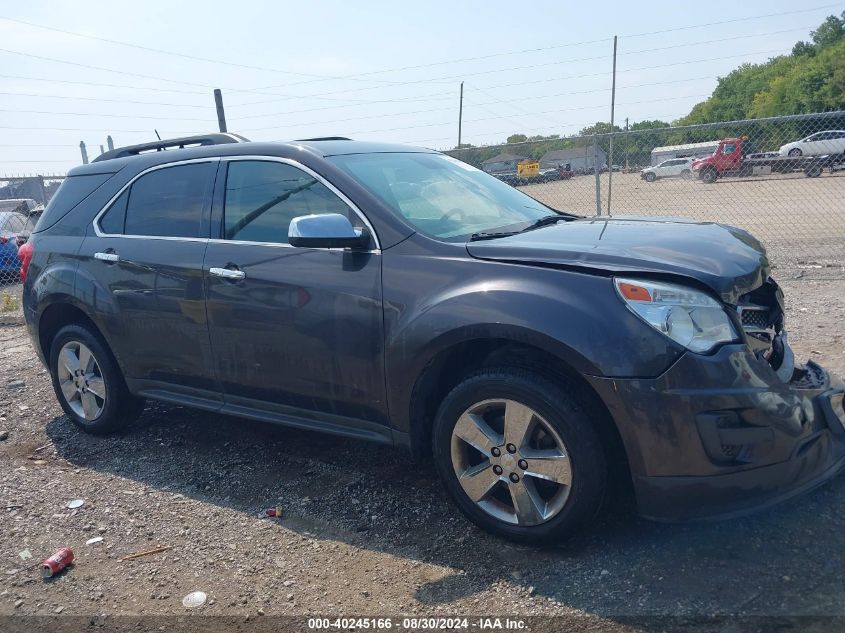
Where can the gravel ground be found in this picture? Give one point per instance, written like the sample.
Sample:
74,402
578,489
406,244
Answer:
363,531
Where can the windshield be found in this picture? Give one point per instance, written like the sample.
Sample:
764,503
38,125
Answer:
441,196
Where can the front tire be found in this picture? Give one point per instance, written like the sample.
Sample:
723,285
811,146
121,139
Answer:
709,175
649,177
88,383
795,152
519,455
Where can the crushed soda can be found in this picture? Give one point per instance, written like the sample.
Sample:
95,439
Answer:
274,512
57,562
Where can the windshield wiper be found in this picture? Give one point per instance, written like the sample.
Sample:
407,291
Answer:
544,221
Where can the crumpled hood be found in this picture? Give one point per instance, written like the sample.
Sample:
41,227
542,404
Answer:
728,260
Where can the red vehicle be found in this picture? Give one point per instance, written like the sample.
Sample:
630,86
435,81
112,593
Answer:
731,159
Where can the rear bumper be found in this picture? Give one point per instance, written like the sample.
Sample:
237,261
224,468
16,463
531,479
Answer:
721,435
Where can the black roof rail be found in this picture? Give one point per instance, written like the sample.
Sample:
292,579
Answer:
178,143
324,138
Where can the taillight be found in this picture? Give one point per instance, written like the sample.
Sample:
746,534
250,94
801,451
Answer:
25,257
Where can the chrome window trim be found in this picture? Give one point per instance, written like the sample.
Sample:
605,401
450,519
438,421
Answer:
96,221
217,159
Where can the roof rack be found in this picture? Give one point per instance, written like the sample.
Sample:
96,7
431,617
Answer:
171,143
325,138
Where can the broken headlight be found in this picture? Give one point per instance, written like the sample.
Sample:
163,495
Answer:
687,316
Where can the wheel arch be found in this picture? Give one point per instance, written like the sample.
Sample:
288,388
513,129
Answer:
451,364
56,316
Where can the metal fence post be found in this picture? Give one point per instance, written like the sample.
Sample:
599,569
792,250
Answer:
597,173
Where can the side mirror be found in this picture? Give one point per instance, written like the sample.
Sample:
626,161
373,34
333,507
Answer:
326,230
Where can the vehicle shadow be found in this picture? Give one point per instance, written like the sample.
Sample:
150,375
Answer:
785,561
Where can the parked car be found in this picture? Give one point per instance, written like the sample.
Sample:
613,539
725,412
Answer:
12,225
672,168
395,294
818,144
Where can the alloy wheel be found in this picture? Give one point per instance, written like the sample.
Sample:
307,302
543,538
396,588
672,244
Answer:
511,462
81,380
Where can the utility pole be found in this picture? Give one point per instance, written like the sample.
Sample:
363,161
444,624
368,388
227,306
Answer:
460,114
84,152
221,115
612,113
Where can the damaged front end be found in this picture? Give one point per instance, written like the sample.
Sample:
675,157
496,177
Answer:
761,314
734,430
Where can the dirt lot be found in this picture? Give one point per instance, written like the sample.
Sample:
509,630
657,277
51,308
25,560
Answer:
800,220
364,532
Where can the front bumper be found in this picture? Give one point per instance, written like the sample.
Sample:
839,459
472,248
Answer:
722,435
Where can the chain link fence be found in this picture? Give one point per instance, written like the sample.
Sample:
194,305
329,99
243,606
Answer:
782,179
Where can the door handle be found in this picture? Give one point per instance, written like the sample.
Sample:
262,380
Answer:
227,273
107,257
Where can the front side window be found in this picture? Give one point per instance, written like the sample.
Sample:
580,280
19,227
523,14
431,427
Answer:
262,197
729,148
167,202
441,196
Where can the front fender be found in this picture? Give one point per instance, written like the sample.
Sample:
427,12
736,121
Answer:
437,303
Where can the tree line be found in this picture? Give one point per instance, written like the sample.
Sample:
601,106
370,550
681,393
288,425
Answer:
810,79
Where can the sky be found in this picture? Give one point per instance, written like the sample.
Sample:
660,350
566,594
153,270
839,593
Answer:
370,70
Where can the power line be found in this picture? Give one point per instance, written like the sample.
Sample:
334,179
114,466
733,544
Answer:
590,107
450,97
104,85
117,116
500,70
192,57
358,76
746,19
571,44
99,99
70,129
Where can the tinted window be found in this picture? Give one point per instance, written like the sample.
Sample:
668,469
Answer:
169,202
70,193
262,198
112,221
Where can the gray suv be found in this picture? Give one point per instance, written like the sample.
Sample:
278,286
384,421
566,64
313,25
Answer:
397,295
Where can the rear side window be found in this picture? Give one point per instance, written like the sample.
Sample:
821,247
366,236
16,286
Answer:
262,197
167,202
113,220
72,191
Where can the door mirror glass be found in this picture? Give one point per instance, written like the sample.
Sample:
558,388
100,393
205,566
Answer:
326,230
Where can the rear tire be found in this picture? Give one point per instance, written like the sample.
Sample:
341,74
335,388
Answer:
686,174
552,472
88,382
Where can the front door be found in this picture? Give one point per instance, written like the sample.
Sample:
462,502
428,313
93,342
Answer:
144,278
296,331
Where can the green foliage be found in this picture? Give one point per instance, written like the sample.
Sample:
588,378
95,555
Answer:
811,79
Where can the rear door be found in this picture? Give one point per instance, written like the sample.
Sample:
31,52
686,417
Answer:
145,257
295,331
